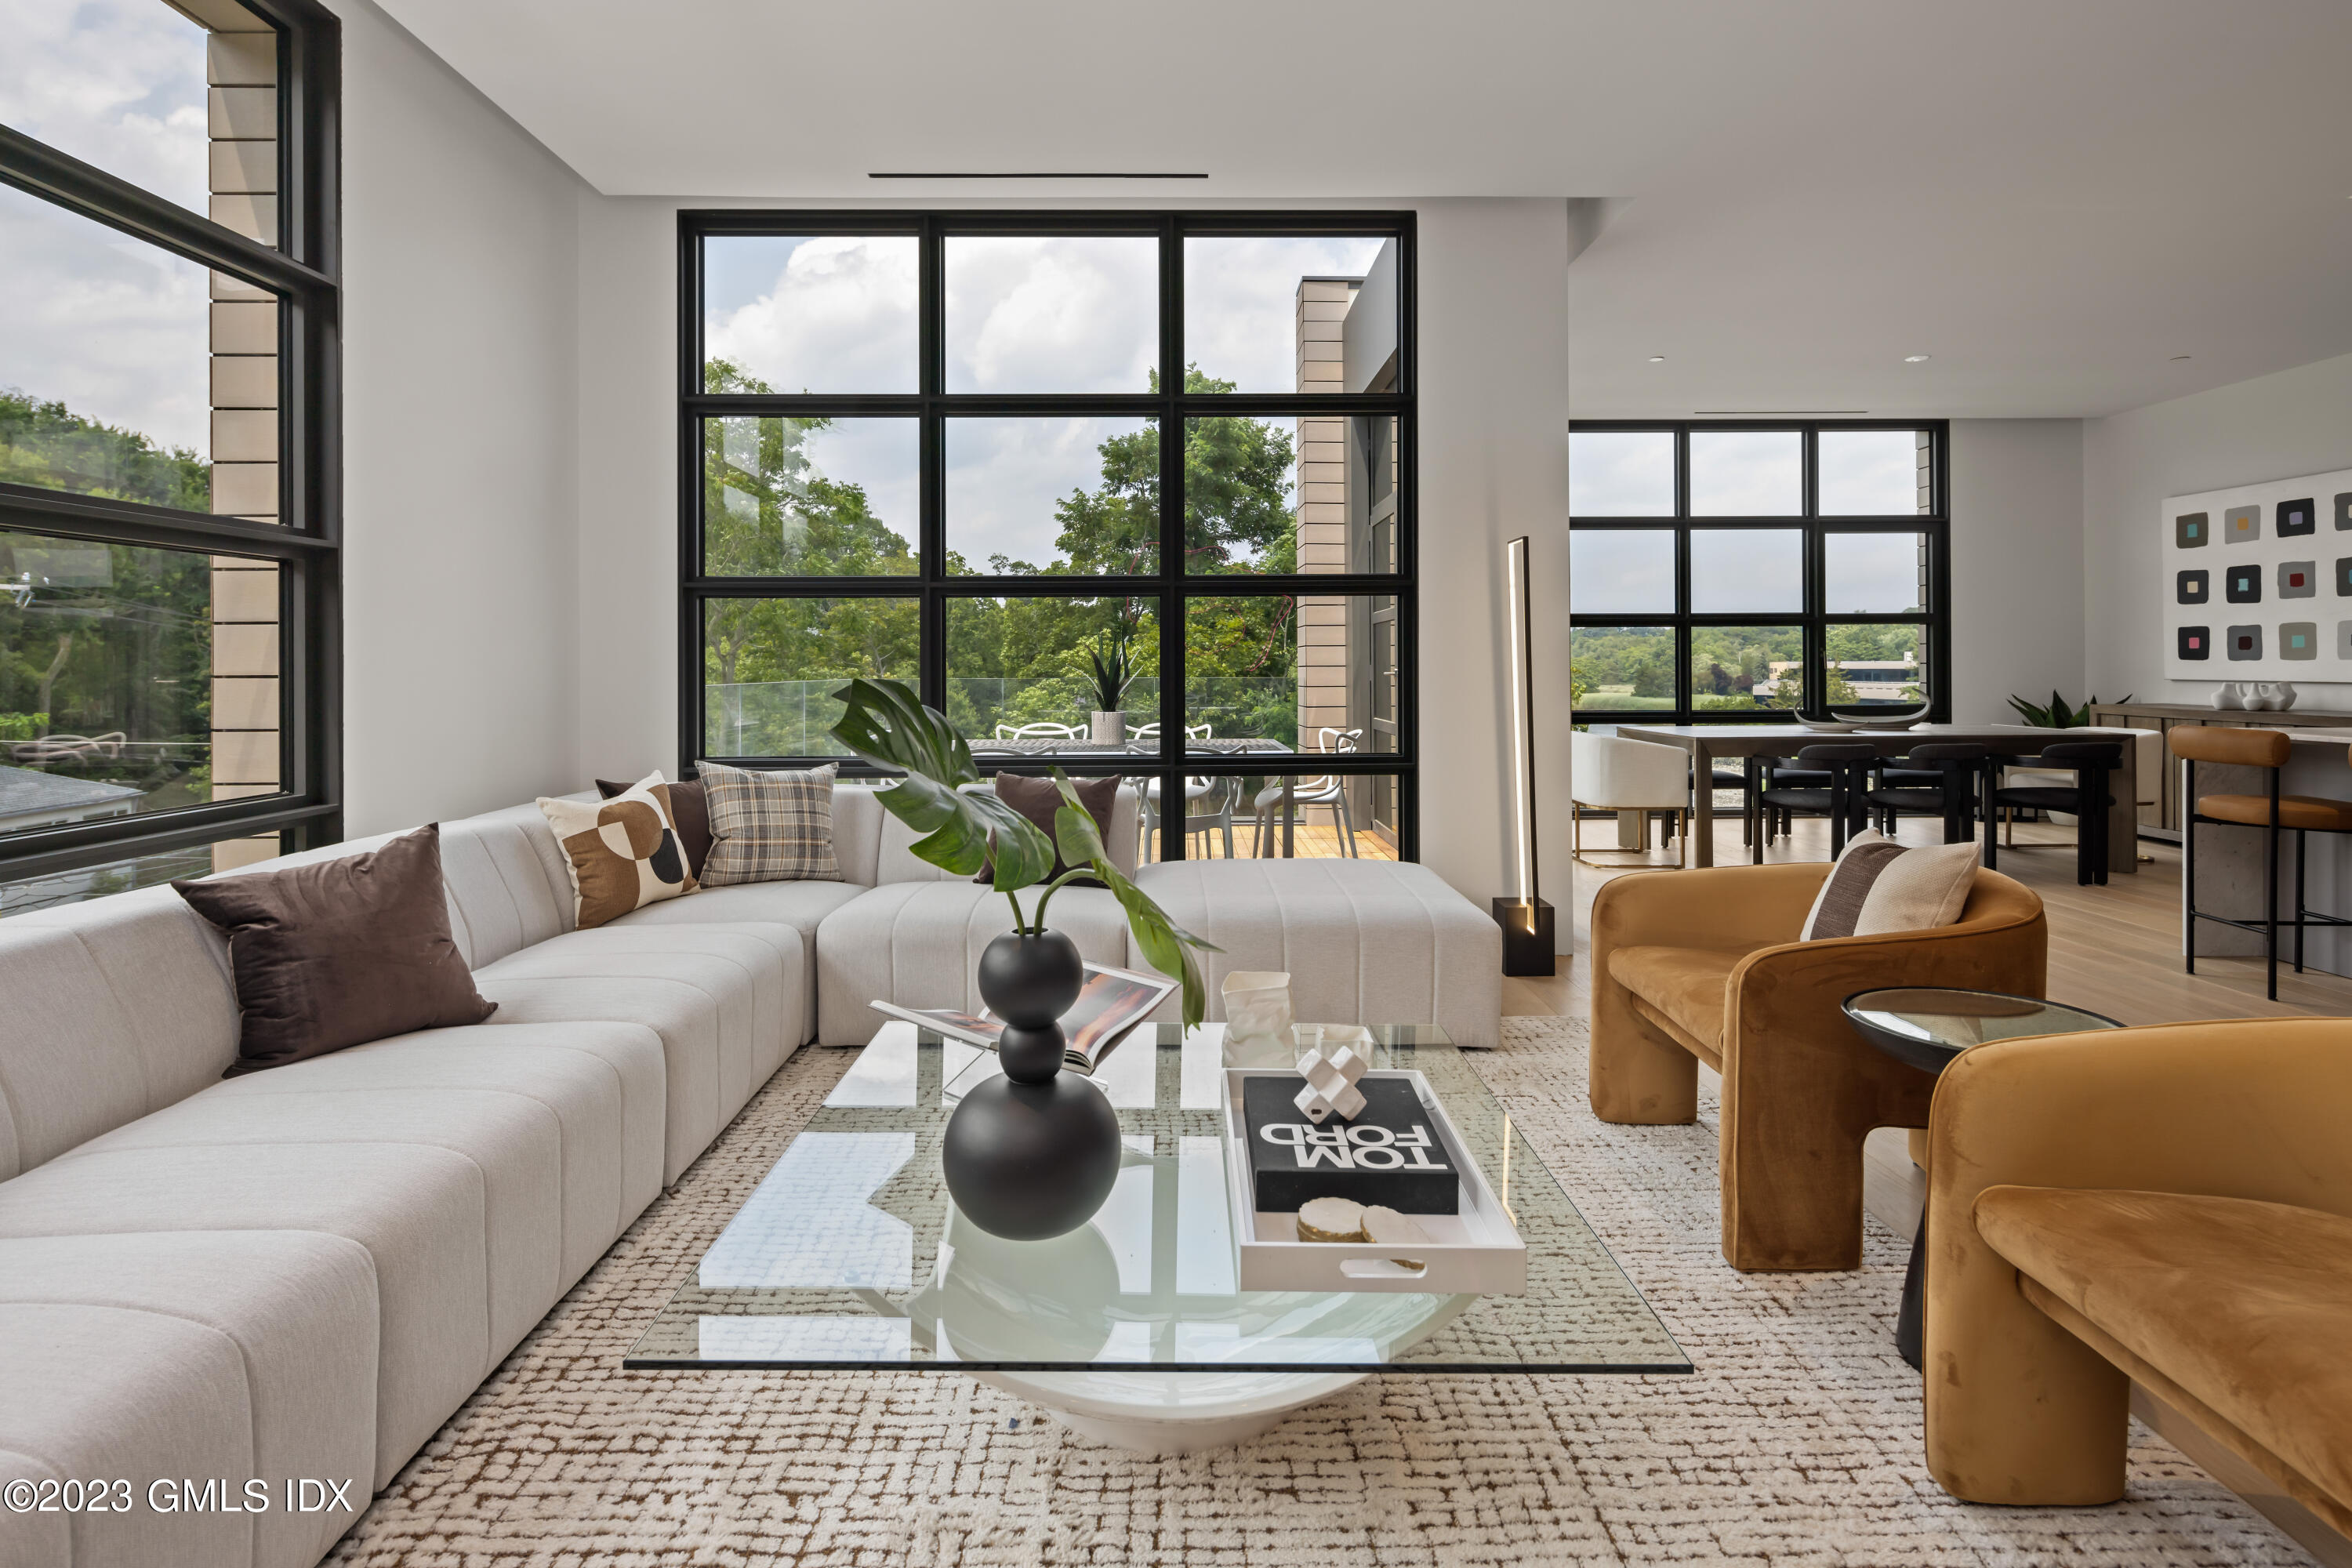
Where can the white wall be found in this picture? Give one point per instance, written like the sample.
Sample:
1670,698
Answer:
1493,451
460,243
2017,565
2273,428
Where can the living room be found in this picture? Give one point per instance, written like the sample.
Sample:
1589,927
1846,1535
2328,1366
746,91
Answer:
577,586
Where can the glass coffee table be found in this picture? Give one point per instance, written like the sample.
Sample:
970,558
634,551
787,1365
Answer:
849,1255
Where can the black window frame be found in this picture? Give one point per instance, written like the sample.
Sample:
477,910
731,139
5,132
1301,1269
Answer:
932,404
1813,619
304,272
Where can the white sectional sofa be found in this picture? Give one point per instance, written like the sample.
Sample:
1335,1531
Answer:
303,1272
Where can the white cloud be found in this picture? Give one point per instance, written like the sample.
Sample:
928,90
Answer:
1240,302
1026,313
118,83
835,313
115,329
1004,477
1745,473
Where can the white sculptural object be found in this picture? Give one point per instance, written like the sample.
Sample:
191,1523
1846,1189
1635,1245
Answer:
1330,1072
1257,1005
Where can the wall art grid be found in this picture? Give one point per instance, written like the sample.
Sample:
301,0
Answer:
2258,581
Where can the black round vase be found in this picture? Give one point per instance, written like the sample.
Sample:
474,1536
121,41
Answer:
1032,1154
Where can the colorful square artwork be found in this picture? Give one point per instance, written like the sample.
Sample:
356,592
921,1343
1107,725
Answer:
2297,517
2344,511
2245,585
2298,579
2243,642
2192,587
2190,531
2282,547
2344,640
2344,575
2299,639
2242,524
2196,642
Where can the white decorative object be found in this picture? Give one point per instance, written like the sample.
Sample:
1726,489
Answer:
1257,1007
1107,728
2281,695
2252,577
2229,696
1330,1072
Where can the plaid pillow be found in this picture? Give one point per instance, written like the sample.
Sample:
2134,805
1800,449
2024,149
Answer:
769,827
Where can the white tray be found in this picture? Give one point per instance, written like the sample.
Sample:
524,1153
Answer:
1474,1252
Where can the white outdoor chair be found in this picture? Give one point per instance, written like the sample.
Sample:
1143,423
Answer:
1041,731
1219,795
1330,791
1607,774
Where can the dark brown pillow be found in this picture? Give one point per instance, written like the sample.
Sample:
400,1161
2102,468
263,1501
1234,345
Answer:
1038,798
689,814
339,953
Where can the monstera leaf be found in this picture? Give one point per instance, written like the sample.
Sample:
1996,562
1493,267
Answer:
883,723
1168,946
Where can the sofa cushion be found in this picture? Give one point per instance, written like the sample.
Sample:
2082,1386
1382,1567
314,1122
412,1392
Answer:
1683,983
1038,798
800,905
339,953
421,1210
622,853
2245,1305
918,943
186,1355
768,825
726,1001
1878,886
896,860
1364,941
688,813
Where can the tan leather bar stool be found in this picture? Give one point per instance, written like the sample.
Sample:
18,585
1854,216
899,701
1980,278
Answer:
2305,814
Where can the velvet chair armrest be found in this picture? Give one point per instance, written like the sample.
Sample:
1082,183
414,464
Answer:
2018,1410
1640,1076
1802,1088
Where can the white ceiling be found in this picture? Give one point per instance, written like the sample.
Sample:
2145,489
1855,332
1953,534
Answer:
2051,197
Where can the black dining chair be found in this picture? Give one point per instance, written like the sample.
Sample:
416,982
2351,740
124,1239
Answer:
1846,767
1940,779
2090,762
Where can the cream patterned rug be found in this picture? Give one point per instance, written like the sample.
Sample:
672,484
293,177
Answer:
1797,1441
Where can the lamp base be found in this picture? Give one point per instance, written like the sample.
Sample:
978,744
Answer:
1527,935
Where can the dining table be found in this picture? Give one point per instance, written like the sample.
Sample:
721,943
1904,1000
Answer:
1147,746
1708,742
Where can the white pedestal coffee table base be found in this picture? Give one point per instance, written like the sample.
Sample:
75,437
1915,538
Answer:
1170,1412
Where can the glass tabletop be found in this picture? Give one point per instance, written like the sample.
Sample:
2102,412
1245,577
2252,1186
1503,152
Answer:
1953,1020
851,1253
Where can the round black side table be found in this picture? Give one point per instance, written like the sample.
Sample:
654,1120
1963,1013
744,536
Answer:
1928,1028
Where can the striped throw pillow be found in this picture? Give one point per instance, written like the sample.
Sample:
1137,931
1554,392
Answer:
769,825
1879,886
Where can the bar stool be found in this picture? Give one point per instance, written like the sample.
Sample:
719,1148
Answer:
2090,762
2305,814
1846,766
1949,770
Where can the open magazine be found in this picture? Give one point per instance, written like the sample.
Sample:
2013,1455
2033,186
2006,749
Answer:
1112,1002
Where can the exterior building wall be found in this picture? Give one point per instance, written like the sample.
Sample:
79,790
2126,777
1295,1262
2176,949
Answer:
1323,653
241,69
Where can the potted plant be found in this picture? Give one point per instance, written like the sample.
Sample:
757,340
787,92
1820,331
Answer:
1034,1153
1113,669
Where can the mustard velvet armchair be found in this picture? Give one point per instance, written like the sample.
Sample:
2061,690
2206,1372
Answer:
2171,1204
1704,965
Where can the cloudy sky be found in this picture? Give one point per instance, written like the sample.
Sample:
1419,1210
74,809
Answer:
115,328
1023,315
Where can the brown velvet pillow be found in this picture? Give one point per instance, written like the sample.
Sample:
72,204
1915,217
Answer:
689,814
339,953
1038,798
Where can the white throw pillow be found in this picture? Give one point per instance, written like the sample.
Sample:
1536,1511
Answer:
1878,886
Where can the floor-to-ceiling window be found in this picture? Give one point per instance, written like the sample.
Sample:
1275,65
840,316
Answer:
1734,573
168,441
988,453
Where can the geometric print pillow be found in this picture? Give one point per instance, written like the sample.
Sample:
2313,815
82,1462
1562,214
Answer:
769,825
624,852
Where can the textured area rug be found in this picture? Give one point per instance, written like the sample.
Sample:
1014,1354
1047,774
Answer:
1796,1442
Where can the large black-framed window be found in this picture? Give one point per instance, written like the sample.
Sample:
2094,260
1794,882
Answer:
1169,489
1736,571
169,672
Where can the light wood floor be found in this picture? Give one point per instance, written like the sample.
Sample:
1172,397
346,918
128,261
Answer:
2114,950
1320,842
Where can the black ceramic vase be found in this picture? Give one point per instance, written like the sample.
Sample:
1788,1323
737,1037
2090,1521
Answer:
1034,1153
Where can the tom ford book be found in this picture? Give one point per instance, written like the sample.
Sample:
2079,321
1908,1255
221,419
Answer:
1391,1153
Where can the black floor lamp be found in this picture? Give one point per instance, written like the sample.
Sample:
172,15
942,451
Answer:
1526,920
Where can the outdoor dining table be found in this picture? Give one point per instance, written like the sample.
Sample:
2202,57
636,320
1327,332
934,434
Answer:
1149,746
1706,743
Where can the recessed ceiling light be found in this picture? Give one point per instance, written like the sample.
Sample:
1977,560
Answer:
1657,359
1914,359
